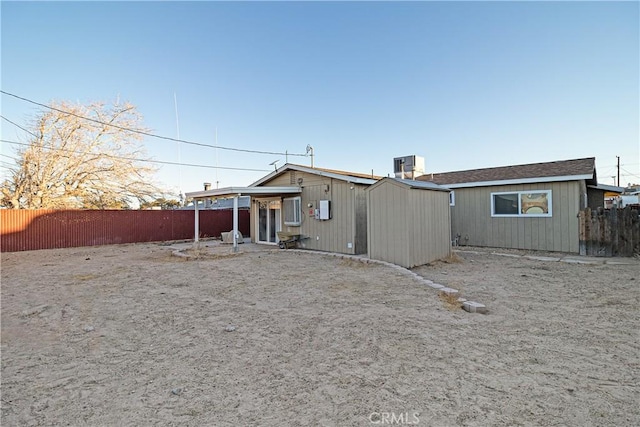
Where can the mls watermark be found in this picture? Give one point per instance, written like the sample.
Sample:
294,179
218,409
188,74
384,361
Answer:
395,418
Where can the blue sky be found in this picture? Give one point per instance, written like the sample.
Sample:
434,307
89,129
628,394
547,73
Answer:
463,84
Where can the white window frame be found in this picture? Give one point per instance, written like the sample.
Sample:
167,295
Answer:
293,206
452,198
519,198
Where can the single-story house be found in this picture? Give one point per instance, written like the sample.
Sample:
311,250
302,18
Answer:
532,206
328,210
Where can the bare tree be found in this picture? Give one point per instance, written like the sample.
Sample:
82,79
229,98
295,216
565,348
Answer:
72,162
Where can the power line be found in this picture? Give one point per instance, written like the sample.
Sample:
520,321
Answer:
8,157
629,173
18,126
606,171
141,160
621,164
200,144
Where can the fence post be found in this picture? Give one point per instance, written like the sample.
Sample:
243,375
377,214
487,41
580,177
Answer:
615,231
633,218
584,220
596,234
235,223
196,223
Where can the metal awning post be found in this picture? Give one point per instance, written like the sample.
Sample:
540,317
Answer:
235,223
196,222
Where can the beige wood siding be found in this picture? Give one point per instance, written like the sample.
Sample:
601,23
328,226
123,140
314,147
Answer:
344,232
408,227
429,226
387,221
471,219
360,239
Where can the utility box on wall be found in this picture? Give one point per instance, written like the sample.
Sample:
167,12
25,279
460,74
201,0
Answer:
324,210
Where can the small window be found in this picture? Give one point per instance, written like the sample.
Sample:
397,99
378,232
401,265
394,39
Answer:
292,211
505,204
521,203
452,198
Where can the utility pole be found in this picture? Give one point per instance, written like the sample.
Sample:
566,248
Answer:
618,157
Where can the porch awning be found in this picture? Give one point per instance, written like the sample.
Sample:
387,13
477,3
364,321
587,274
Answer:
227,192
234,192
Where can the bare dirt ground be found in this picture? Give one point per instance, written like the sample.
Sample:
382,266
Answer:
130,335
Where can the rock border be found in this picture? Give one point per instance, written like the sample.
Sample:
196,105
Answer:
570,259
468,306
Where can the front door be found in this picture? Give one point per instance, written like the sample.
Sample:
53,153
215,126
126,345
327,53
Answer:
268,221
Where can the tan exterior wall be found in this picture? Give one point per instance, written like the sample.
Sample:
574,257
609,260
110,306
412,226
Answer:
345,232
471,219
408,227
431,218
388,213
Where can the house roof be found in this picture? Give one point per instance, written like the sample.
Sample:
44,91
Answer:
356,178
607,188
564,170
413,184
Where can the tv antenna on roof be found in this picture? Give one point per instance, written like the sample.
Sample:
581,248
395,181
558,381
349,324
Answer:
275,164
310,150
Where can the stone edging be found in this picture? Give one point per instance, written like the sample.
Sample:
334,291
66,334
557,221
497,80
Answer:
180,254
470,306
567,258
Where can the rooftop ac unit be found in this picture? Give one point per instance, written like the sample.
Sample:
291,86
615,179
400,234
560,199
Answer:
408,167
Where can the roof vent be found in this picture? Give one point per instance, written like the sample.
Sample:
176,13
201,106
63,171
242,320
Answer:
408,167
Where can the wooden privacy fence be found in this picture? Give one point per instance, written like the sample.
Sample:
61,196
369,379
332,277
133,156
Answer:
609,232
24,230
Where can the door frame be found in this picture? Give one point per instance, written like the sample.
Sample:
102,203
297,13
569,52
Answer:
278,219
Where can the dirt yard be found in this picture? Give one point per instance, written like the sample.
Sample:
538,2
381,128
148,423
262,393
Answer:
131,335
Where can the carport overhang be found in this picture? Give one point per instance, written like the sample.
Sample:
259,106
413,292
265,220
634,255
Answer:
234,193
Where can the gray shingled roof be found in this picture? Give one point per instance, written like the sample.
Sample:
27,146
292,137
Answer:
564,168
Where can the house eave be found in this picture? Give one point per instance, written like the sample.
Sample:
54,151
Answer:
412,184
519,181
221,193
283,169
607,188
